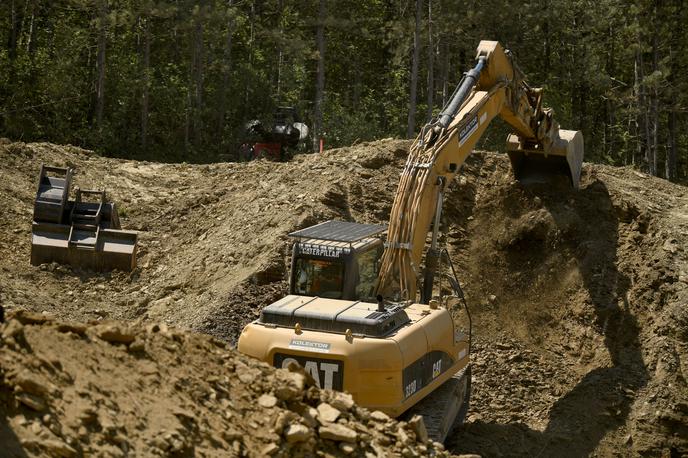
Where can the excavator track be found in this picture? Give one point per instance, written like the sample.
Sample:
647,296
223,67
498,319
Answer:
446,407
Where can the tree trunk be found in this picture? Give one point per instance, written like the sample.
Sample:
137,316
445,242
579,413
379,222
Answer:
320,84
227,71
654,102
638,96
280,56
12,45
431,60
198,68
610,128
670,163
14,31
247,110
102,41
445,70
546,37
146,82
411,127
358,84
645,141
29,38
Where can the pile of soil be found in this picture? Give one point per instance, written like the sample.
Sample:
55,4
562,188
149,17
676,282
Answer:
105,389
580,328
579,298
213,239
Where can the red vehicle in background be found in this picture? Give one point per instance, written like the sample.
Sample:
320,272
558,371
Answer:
286,133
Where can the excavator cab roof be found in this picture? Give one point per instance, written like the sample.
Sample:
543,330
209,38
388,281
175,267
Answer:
335,239
339,231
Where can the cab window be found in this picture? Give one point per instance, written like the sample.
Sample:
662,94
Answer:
314,277
368,267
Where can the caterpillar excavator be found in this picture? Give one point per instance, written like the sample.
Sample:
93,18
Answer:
365,315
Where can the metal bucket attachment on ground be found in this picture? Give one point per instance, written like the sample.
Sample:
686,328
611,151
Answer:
52,194
84,232
532,164
107,250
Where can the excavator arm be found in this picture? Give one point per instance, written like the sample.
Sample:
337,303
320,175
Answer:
495,87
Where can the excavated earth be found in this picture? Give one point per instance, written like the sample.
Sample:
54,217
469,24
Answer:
578,304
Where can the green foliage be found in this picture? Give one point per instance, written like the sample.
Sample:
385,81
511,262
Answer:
611,68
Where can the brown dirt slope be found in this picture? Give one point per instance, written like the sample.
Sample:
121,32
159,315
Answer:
578,297
104,389
580,300
208,234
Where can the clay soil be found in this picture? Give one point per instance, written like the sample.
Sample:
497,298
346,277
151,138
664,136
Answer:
578,298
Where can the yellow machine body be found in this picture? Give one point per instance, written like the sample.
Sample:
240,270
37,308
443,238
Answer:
399,355
390,373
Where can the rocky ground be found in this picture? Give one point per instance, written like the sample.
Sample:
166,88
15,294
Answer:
577,297
70,389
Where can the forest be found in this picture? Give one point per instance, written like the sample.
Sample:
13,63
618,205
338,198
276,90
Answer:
177,80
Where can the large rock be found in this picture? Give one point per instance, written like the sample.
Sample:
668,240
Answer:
327,413
115,334
291,386
13,328
379,415
337,432
267,401
57,448
418,426
297,433
32,383
32,401
342,401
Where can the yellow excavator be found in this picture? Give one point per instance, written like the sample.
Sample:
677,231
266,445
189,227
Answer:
353,318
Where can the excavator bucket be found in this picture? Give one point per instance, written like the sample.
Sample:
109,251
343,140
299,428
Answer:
532,163
52,195
84,232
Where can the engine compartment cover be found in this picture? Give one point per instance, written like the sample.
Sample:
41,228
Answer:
334,315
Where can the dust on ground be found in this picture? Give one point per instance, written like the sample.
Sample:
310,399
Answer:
578,297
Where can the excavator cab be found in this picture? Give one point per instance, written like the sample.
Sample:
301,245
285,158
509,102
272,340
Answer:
336,260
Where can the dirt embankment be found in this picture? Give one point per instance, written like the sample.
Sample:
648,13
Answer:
578,297
69,389
213,238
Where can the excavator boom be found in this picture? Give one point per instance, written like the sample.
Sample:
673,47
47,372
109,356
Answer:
495,87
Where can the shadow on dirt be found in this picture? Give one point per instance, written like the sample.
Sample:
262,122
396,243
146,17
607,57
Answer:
10,446
601,401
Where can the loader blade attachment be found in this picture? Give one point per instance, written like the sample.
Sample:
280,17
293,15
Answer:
533,164
84,232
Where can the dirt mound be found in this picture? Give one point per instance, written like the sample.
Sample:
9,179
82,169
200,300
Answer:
578,297
105,389
209,234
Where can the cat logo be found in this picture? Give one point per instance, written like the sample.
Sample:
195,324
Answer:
437,368
327,373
